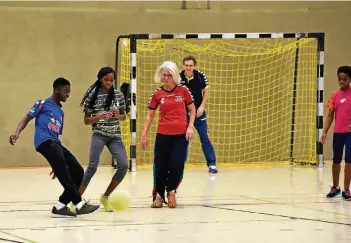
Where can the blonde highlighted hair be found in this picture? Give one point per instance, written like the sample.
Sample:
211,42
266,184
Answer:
172,68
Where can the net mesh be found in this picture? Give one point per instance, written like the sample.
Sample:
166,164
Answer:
250,107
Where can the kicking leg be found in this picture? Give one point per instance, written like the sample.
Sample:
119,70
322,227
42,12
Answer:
76,171
54,153
118,151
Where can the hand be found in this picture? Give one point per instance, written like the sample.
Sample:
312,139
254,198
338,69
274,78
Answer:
200,111
144,142
189,135
53,175
116,114
13,138
323,138
349,127
105,115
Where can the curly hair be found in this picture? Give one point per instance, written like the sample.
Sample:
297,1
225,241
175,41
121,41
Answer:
345,69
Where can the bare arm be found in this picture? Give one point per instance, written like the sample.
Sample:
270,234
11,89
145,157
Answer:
201,108
149,117
328,121
22,124
192,111
204,97
88,119
122,117
20,127
119,116
189,135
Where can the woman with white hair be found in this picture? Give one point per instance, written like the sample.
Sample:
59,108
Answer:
173,133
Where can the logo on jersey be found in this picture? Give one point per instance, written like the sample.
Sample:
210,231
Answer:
37,106
55,125
343,100
178,98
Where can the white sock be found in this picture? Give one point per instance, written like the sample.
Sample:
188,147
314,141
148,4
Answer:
59,205
212,167
80,205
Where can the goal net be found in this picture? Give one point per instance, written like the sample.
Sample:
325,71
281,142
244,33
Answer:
262,105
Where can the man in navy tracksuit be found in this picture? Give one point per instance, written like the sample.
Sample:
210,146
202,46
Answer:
197,83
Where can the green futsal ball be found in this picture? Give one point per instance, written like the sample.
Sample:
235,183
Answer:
119,200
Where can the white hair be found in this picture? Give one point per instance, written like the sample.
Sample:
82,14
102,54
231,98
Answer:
172,68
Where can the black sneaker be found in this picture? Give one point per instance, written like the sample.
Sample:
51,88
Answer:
87,209
212,169
64,212
346,194
334,191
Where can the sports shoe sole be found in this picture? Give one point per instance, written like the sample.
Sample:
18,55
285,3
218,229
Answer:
88,214
335,195
62,216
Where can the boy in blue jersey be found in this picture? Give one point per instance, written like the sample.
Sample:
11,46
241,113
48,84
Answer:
49,119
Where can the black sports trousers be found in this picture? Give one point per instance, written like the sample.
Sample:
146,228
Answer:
66,168
170,151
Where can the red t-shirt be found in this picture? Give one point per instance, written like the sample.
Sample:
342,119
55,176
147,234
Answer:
172,105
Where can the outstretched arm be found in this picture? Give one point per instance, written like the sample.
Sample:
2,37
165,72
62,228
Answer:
20,127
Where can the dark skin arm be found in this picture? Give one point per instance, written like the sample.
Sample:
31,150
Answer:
327,124
88,119
118,115
20,127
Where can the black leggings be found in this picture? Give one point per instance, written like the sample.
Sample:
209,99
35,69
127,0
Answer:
66,168
170,152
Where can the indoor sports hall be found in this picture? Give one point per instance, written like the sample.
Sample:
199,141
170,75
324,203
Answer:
271,69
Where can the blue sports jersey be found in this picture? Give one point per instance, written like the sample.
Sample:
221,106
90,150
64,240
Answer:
49,121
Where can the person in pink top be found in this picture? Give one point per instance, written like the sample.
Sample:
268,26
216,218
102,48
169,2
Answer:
339,105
